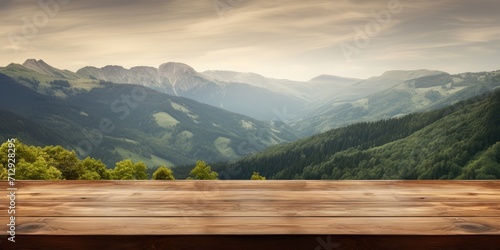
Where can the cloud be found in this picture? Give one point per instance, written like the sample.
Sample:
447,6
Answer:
472,35
264,36
12,47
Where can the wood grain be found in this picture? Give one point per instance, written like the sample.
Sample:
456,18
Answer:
256,196
221,208
258,225
255,209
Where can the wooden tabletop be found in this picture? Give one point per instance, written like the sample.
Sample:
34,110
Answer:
254,208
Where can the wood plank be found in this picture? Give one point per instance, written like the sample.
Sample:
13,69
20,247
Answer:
395,195
251,242
257,225
254,209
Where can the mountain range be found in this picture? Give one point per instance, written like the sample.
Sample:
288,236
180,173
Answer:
400,93
174,115
311,107
115,121
181,80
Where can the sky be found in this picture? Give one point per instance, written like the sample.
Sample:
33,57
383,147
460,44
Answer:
286,39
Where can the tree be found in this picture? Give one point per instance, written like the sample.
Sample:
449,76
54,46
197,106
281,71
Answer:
202,172
29,154
31,163
127,170
89,175
94,170
163,173
256,176
38,170
66,161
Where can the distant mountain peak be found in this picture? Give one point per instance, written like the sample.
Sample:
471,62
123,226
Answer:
411,74
15,65
392,78
143,68
87,67
43,68
234,76
113,67
331,78
33,63
176,66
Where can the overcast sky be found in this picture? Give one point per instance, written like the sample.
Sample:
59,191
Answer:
292,39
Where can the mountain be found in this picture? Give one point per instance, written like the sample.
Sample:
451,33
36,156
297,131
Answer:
171,78
115,121
392,78
340,89
313,91
293,89
311,107
337,88
43,68
402,92
244,93
102,113
182,80
461,141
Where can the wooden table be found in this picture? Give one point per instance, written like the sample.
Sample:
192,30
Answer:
253,215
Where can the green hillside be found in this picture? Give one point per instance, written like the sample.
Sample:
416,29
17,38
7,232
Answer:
410,96
115,121
458,142
12,125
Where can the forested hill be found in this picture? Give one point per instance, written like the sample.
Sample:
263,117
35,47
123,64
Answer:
458,142
110,121
28,131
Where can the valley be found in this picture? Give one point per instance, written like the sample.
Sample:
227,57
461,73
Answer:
327,128
115,121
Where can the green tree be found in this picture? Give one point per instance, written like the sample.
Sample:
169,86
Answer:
38,170
256,177
89,175
94,170
3,172
31,163
127,170
163,173
22,151
66,161
202,172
